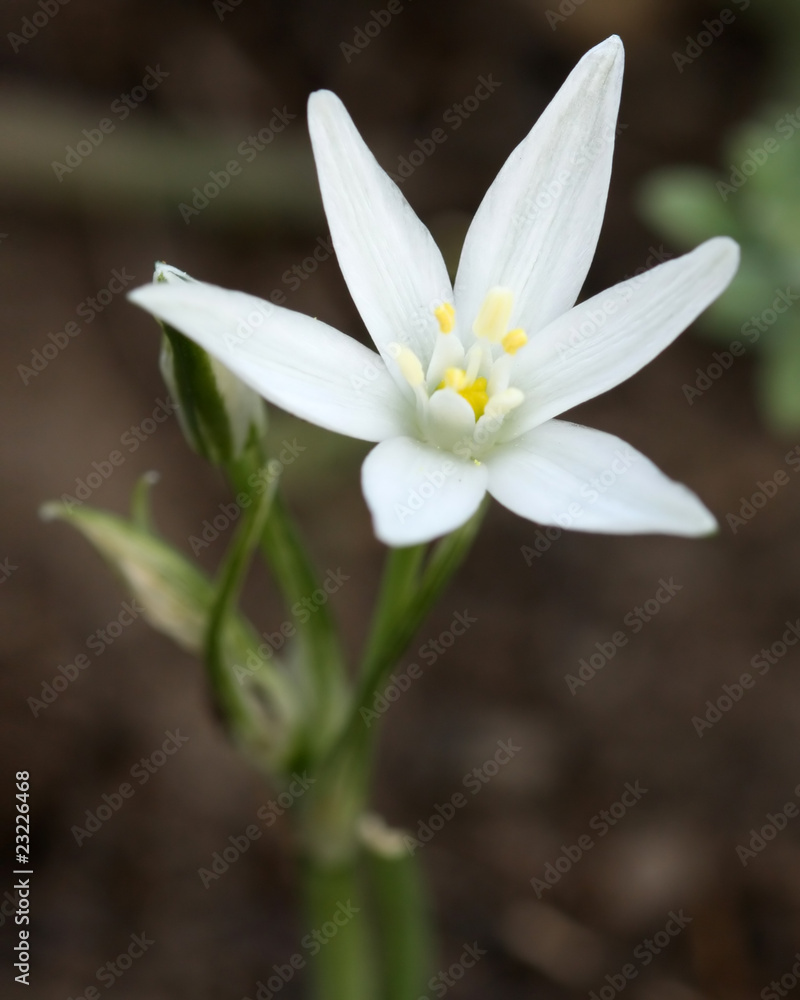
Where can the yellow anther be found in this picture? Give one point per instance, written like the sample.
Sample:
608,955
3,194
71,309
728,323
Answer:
514,340
409,365
494,315
477,396
475,391
446,315
454,378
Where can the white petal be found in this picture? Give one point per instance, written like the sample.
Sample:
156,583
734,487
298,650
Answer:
537,228
569,476
417,493
298,363
452,420
611,336
394,270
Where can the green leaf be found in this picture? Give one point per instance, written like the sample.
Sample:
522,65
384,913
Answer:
178,599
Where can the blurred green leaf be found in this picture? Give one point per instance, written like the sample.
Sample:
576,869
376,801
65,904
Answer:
684,204
779,378
756,200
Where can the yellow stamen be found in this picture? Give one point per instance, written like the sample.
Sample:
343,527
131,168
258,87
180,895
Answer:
446,315
474,391
514,340
494,315
454,378
477,396
410,366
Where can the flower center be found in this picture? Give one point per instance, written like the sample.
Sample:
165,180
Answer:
474,392
479,375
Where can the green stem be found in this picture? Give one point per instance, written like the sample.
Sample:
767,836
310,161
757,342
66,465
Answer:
325,691
403,912
404,602
330,818
298,579
342,954
400,577
230,694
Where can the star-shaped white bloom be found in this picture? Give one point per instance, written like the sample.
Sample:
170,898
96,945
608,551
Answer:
462,394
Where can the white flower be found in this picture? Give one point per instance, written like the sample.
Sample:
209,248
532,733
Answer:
462,394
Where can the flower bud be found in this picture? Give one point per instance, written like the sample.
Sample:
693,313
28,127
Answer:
218,413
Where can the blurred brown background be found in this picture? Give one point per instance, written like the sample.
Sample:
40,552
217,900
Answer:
224,70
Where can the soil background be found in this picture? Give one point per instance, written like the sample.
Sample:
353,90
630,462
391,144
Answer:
230,66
